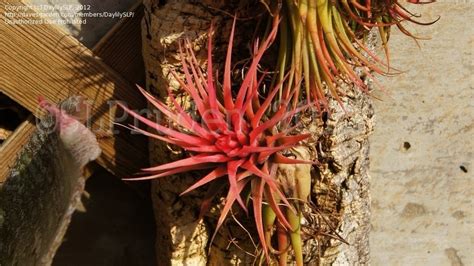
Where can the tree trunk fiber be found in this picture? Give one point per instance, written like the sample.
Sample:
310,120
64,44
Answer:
340,199
39,196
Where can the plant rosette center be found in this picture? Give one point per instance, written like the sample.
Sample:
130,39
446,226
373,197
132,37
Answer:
228,144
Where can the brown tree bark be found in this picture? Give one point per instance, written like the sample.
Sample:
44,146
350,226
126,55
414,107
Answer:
340,199
41,193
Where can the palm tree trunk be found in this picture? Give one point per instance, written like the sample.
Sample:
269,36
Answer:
340,199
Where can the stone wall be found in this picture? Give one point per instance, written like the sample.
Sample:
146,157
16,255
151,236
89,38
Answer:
421,150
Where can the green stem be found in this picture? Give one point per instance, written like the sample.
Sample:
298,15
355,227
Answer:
384,33
268,222
295,235
282,51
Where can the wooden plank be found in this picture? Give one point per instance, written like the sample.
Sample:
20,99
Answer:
121,47
10,148
41,60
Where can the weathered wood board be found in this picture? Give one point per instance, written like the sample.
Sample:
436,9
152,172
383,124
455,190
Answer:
42,60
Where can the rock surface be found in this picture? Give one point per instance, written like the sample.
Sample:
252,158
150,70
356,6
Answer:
422,148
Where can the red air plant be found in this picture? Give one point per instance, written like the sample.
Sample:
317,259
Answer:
323,41
384,14
239,138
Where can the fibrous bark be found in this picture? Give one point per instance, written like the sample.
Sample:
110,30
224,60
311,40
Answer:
341,187
340,203
39,197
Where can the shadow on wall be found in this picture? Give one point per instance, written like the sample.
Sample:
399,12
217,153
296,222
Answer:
116,228
95,28
116,224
